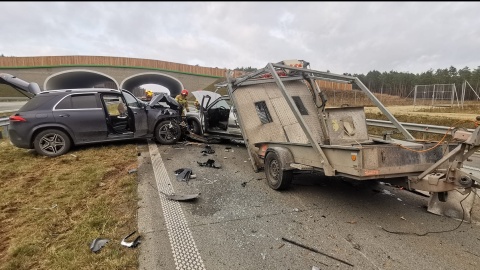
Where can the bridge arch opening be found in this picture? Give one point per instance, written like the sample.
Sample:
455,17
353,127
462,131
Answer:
173,85
155,88
79,78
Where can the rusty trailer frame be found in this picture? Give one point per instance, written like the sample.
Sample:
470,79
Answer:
287,127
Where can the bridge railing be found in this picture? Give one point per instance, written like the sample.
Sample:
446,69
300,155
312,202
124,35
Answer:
80,60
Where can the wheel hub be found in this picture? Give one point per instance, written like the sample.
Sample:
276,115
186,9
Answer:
274,172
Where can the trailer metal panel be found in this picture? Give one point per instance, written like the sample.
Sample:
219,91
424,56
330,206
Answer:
282,111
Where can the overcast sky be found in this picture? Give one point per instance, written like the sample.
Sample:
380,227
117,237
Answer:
353,37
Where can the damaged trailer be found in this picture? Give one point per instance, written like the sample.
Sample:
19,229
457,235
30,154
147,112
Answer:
288,128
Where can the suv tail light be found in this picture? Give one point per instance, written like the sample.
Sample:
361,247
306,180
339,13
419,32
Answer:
17,118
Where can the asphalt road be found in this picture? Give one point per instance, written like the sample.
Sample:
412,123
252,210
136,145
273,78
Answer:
238,222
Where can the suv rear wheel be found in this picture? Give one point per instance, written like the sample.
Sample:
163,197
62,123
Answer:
52,143
167,132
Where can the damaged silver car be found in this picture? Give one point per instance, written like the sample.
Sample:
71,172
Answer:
215,118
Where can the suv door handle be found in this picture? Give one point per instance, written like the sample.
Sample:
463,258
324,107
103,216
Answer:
64,115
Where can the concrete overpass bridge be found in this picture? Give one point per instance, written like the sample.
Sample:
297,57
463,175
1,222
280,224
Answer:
57,72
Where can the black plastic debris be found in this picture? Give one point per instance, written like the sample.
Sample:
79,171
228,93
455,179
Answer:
132,244
209,163
183,174
208,150
97,244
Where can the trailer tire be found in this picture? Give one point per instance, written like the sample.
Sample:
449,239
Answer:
277,178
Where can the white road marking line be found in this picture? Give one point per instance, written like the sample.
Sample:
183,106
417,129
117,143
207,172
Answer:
185,252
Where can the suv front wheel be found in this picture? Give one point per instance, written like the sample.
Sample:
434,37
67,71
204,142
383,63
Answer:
52,143
167,132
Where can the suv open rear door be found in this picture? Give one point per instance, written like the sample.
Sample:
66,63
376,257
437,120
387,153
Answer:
27,89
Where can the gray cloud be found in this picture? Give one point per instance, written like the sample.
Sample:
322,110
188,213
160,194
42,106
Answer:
353,37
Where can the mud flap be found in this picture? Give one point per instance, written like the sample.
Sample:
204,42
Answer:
452,207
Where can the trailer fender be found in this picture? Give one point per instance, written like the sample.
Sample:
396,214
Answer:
284,155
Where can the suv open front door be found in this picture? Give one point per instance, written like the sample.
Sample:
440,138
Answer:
138,114
205,98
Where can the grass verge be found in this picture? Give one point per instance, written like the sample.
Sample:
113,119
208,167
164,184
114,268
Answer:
51,209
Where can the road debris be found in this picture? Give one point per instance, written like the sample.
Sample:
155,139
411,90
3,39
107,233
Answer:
208,150
132,244
196,137
132,171
209,163
181,197
354,245
183,174
98,244
386,192
193,143
316,251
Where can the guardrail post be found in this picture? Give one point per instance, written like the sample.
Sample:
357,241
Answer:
4,122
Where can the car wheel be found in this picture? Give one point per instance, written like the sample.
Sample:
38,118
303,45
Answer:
277,178
167,132
194,127
52,143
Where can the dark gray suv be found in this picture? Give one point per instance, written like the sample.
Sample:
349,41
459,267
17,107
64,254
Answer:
52,121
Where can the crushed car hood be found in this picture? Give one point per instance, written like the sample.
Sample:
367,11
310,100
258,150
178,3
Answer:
164,97
27,89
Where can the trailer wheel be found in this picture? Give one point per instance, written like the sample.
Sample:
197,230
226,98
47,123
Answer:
277,178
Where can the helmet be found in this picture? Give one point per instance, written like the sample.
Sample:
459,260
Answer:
185,92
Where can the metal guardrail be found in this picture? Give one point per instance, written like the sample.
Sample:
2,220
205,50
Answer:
412,126
4,123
